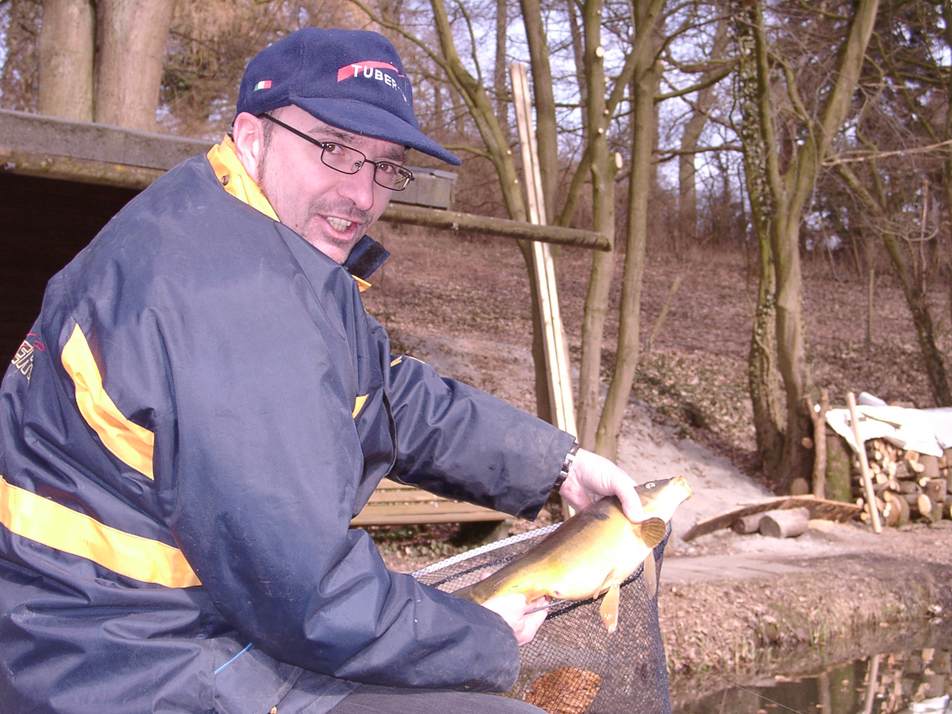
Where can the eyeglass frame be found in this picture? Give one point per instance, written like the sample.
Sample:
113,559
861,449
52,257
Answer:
401,170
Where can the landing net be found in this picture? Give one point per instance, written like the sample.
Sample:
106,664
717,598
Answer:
573,665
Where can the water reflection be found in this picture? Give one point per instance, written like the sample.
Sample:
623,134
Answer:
914,680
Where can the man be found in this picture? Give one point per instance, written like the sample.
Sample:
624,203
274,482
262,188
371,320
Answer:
209,405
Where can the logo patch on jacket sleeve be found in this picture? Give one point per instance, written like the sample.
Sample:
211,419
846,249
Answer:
23,359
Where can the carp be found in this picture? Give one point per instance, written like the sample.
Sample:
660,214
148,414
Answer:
591,553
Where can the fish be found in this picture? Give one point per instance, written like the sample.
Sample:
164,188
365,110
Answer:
590,554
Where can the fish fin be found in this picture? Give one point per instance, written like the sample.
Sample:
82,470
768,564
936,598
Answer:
650,574
652,531
609,608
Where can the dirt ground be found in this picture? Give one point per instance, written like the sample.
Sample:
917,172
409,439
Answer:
460,303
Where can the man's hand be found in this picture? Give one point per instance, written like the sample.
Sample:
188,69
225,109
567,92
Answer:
592,476
518,614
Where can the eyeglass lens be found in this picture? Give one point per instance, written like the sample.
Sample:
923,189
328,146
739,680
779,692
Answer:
349,161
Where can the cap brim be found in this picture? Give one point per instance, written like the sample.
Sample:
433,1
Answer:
370,120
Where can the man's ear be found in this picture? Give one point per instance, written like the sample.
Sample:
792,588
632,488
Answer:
248,135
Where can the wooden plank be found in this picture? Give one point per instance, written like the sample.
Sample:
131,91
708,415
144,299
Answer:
407,496
394,503
818,507
433,512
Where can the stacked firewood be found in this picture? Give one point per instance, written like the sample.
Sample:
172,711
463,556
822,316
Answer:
908,485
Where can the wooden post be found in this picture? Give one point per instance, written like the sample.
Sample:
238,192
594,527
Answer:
556,353
818,417
864,466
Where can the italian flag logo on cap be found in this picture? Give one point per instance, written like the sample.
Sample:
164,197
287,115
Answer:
263,84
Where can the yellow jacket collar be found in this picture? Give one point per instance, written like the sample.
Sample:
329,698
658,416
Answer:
235,180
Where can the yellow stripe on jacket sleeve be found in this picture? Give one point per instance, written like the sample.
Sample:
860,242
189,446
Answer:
31,516
130,443
359,404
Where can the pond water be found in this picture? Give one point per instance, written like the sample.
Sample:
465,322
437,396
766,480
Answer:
911,673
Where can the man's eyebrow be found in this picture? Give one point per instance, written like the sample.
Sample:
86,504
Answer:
396,153
324,129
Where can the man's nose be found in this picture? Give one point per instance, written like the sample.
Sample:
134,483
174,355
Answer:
359,187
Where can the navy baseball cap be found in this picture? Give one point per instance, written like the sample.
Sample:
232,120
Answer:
350,79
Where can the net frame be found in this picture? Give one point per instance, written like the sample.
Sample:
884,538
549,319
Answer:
573,664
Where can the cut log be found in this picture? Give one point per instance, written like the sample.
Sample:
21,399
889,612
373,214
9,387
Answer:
898,510
799,486
788,523
745,525
938,510
818,508
818,417
908,486
936,490
930,465
867,480
837,481
924,504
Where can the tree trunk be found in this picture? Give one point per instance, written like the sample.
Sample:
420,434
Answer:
918,302
644,86
603,215
482,111
546,129
578,52
65,59
916,299
131,56
686,233
762,378
790,192
499,66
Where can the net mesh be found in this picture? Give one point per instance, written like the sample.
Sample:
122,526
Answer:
574,665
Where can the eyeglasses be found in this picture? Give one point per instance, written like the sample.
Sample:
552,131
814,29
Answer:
348,160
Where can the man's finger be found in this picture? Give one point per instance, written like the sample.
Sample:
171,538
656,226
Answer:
631,504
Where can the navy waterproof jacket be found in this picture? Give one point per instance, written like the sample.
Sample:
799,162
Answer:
198,412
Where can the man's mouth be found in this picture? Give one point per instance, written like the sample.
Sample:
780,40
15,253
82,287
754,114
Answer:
341,225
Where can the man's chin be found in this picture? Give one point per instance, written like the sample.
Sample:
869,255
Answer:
333,249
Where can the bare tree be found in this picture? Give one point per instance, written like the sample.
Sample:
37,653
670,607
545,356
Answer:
790,189
65,59
644,87
691,136
597,163
103,61
542,86
131,47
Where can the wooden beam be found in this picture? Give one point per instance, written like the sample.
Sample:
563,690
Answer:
54,148
454,221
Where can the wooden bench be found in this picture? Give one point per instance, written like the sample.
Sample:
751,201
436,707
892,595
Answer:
394,503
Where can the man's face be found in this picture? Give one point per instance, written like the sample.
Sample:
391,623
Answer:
330,209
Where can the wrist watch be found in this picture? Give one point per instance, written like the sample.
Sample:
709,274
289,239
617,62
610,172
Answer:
566,465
